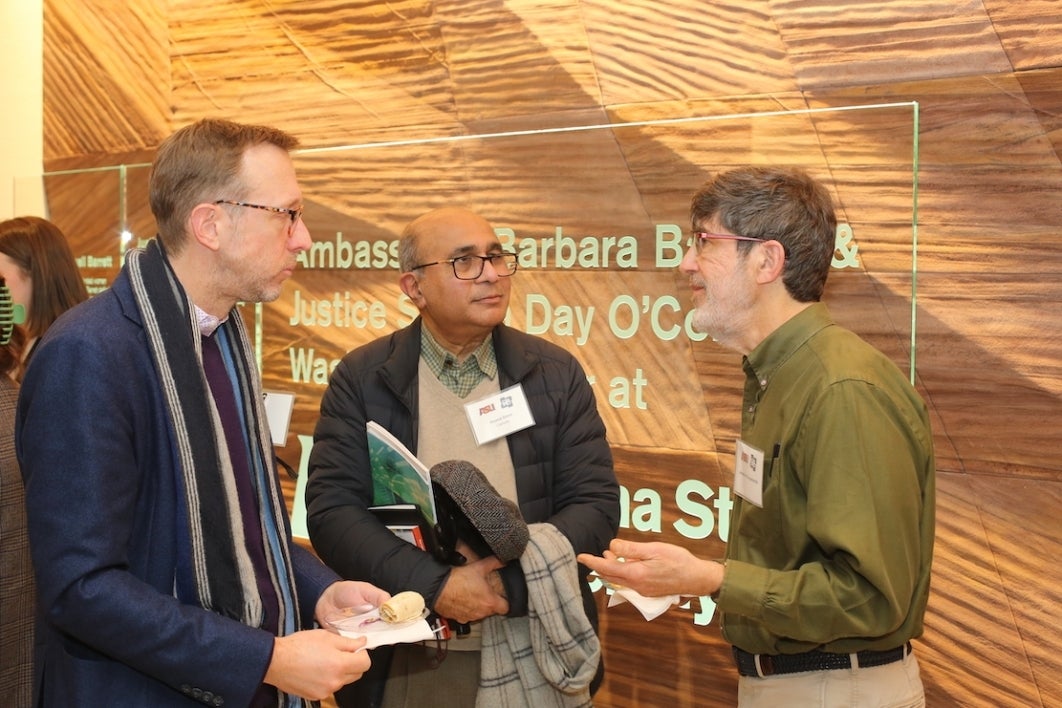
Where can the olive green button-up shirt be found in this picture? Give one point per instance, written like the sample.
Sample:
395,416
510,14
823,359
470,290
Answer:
839,556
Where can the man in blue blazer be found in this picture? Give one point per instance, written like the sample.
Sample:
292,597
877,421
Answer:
166,570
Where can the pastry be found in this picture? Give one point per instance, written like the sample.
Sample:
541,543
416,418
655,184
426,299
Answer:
403,607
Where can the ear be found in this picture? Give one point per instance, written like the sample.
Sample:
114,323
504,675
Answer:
772,262
204,222
411,287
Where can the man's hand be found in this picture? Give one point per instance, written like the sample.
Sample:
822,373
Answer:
655,569
362,597
315,663
468,594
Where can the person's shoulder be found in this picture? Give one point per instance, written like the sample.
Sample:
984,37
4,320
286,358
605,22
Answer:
103,328
509,338
379,352
381,347
521,355
847,356
101,313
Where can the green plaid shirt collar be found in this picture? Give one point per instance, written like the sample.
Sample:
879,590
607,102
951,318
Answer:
460,378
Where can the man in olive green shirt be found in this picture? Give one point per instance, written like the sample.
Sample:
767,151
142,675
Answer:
827,570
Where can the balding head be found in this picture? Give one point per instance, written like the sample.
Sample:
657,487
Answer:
436,224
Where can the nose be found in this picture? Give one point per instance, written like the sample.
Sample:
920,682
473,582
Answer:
491,276
300,237
689,261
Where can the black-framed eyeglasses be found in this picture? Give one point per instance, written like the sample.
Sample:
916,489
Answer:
293,214
700,238
471,267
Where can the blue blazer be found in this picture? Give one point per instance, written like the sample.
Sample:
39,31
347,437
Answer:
97,455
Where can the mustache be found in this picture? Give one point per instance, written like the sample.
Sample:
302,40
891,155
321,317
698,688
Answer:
492,293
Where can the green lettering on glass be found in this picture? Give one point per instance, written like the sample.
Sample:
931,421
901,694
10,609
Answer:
846,250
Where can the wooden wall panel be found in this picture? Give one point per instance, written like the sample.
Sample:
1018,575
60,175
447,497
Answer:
864,43
987,77
349,71
1041,88
1028,32
648,52
106,91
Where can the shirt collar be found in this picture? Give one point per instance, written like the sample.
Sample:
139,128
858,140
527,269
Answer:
482,357
783,342
208,324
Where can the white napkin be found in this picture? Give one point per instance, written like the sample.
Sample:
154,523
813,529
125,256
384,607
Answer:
650,607
377,632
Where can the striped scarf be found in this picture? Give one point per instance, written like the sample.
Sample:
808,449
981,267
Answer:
215,567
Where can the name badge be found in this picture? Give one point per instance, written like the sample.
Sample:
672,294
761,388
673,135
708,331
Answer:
499,414
748,473
278,405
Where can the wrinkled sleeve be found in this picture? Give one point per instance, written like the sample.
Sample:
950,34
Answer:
861,460
88,436
582,495
339,491
586,493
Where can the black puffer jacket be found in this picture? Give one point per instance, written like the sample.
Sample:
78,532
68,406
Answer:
563,463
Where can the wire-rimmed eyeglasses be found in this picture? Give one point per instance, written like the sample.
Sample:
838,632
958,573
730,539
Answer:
471,267
293,214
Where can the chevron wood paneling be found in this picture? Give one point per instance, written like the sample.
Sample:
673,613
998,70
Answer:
987,79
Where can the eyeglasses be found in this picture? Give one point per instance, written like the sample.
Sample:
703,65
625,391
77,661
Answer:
293,214
699,238
471,267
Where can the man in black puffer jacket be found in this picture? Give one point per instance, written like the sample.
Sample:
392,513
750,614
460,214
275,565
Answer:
418,383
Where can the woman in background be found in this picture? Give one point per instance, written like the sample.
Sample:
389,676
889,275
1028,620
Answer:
40,271
17,589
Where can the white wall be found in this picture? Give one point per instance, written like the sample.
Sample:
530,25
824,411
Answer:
21,121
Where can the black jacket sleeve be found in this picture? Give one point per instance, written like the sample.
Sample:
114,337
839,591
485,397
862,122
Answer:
346,535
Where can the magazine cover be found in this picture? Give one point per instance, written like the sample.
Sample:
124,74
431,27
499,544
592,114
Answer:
398,477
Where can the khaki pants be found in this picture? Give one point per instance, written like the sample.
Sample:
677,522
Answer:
895,685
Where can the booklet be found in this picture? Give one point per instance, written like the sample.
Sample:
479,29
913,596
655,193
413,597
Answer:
404,500
406,521
398,477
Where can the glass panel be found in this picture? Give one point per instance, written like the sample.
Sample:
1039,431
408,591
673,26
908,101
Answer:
597,215
103,212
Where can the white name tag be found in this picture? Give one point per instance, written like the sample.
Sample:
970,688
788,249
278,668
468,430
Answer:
748,473
278,405
499,414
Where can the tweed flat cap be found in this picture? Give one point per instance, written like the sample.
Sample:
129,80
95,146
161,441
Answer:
488,522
